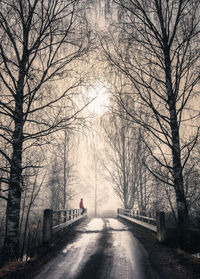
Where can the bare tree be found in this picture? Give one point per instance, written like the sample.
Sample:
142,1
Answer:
32,190
156,47
95,167
41,43
62,173
124,159
54,184
66,167
192,181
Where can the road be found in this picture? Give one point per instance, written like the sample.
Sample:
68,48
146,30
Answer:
103,249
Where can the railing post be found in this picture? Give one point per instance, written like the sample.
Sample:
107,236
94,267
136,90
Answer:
161,229
59,217
65,216
47,225
149,216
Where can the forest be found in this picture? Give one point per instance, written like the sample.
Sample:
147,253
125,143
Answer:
144,55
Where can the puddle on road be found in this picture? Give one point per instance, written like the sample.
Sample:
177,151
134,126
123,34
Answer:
197,255
82,243
115,225
96,225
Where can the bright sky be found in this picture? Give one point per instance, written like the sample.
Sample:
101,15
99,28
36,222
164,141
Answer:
100,94
91,142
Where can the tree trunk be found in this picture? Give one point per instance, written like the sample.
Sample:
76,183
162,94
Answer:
65,170
182,210
182,214
95,188
123,163
11,241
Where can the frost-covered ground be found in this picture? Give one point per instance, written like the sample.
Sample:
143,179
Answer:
104,249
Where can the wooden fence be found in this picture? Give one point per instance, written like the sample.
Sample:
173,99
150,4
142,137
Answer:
56,220
146,219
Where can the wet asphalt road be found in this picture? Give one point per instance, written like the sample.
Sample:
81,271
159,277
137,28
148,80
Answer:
104,249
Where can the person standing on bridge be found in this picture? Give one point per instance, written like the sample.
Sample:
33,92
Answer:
81,206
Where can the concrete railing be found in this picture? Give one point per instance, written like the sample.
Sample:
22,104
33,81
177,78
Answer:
56,220
147,220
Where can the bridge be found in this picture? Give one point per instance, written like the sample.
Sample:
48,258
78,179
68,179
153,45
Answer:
104,248
56,220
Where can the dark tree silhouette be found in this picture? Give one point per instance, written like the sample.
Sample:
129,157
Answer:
39,42
155,45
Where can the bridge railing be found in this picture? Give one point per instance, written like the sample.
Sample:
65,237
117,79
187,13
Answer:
56,220
147,220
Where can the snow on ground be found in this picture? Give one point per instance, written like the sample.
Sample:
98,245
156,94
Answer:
114,224
95,225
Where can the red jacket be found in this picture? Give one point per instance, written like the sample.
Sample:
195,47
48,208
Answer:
81,204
